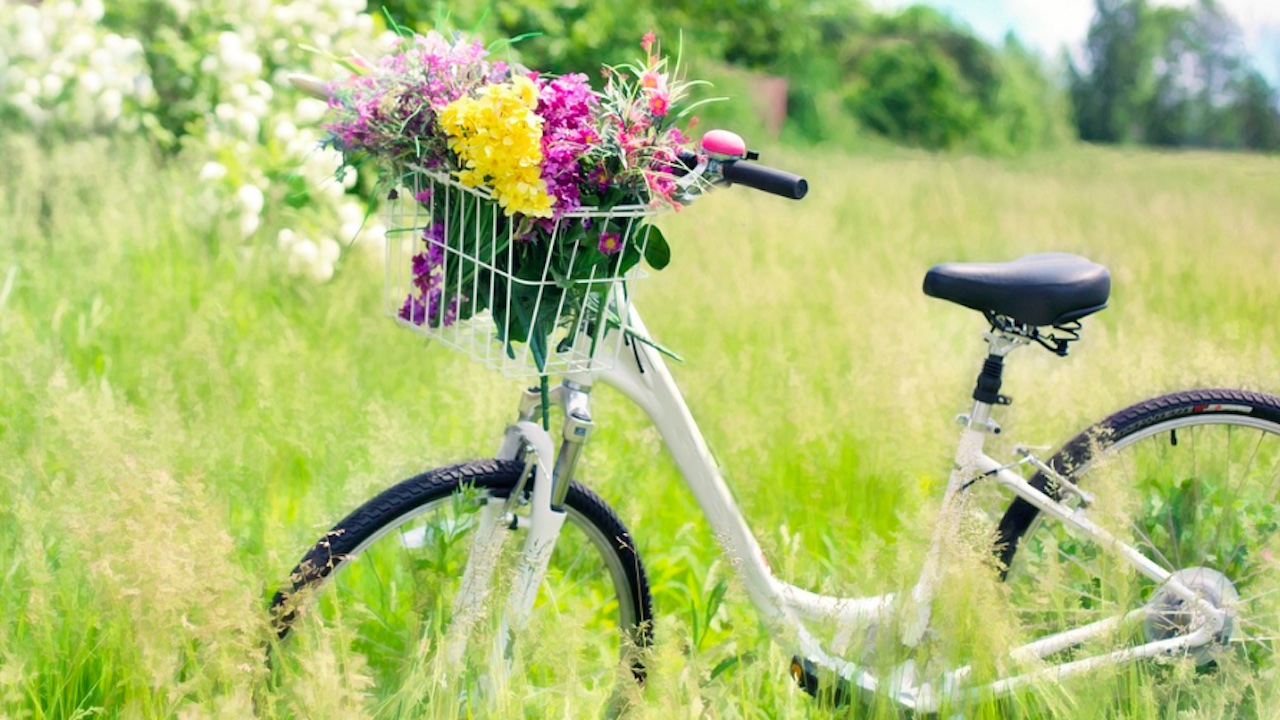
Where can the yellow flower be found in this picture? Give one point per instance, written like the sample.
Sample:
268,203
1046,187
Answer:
498,139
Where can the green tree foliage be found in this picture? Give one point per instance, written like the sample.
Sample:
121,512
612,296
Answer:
917,95
1171,76
1255,107
917,78
1108,97
913,76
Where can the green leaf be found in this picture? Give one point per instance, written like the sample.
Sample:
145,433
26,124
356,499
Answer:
723,666
656,252
298,194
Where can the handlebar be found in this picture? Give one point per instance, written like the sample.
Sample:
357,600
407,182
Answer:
725,157
767,179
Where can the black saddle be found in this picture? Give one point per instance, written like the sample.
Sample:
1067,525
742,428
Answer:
1036,290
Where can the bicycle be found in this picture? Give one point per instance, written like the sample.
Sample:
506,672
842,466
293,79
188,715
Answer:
1186,575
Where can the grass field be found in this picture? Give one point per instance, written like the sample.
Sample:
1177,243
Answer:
180,420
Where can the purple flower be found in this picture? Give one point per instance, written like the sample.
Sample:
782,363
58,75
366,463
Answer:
610,243
391,111
413,310
423,306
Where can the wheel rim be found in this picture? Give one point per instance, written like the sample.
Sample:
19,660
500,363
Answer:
390,602
1191,492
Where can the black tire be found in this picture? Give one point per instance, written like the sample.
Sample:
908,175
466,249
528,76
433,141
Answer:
401,511
1195,476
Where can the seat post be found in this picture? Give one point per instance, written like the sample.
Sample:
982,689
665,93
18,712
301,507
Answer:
977,424
986,391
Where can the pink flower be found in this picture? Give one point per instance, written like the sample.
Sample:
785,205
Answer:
647,42
658,104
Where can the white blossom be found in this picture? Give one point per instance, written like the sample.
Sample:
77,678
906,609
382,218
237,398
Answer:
109,104
61,70
310,111
251,199
212,171
51,86
249,225
285,131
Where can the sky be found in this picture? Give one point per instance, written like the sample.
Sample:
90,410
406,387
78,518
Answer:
1049,25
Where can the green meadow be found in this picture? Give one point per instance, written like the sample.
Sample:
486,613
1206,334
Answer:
180,419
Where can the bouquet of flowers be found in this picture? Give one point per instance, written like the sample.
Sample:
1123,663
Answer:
532,193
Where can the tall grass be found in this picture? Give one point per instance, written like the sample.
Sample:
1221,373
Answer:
179,419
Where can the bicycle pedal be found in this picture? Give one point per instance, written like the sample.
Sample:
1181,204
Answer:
820,683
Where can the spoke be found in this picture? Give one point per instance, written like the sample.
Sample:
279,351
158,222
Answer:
1258,596
1271,487
1258,571
1258,629
372,564
1172,529
1195,468
1235,493
1075,592
1198,494
1076,561
1151,544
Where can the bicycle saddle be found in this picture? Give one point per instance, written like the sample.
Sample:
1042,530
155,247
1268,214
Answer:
1036,290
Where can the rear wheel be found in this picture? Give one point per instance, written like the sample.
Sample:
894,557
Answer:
1192,480
383,581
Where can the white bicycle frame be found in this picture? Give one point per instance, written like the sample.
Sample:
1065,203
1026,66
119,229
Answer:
640,373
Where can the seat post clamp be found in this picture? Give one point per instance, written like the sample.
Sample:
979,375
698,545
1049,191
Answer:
987,389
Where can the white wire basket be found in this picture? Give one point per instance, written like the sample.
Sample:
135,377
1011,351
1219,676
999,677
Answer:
468,276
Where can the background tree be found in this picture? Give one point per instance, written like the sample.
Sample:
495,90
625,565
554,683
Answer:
1172,77
1255,107
913,76
1109,93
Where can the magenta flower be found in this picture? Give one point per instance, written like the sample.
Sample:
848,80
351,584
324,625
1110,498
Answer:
567,108
610,243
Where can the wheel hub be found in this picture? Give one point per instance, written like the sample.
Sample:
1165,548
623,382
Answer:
1170,616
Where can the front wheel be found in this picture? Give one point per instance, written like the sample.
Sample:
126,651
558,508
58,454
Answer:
1192,481
383,583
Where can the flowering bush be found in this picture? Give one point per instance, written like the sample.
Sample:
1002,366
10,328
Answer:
207,80
553,160
60,70
220,68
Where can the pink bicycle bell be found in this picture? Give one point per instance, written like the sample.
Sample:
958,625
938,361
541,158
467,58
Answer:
724,145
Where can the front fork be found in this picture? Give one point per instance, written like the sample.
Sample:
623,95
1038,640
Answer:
525,440
575,402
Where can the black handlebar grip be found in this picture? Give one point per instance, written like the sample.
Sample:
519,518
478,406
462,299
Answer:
776,182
